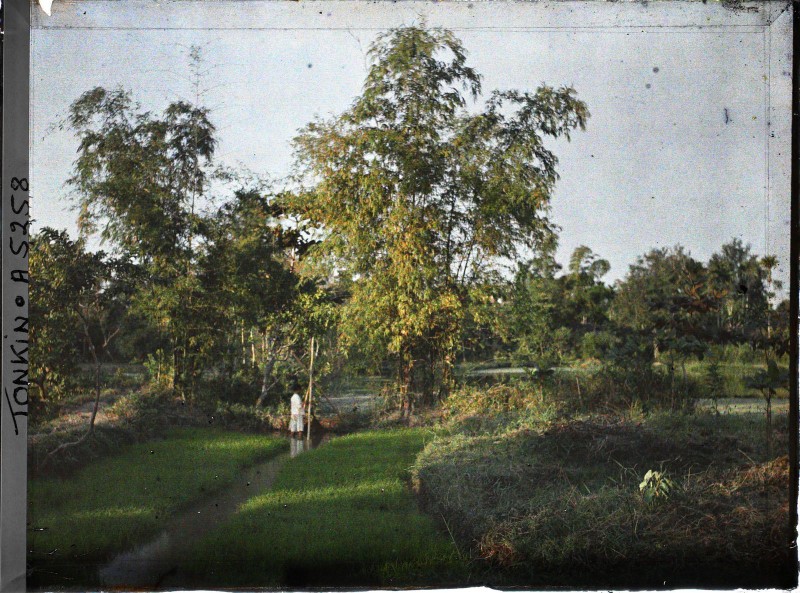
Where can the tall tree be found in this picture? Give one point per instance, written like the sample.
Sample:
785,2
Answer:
138,178
587,297
418,195
739,280
663,296
244,265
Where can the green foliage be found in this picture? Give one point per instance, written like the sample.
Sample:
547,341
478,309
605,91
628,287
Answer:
78,301
656,487
715,382
58,282
237,416
159,368
242,387
547,315
416,195
138,174
598,344
139,177
142,180
768,381
739,281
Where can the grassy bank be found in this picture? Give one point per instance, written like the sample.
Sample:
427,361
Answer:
339,515
122,499
559,503
138,416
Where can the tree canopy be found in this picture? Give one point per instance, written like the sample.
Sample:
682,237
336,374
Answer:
418,192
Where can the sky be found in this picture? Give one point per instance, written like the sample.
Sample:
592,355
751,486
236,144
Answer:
688,141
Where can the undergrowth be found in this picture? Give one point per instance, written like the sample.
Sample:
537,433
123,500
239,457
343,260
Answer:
554,498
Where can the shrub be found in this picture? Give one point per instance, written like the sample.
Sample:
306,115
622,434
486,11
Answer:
498,398
249,418
243,387
598,345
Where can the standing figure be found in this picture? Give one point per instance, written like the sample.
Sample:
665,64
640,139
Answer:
296,422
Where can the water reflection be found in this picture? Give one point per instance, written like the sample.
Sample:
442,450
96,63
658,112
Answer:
296,446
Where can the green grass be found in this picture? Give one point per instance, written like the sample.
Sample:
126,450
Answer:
733,375
338,515
733,372
121,500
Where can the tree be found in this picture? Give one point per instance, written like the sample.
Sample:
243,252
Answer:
77,297
138,179
417,196
587,298
738,280
244,265
63,275
768,381
664,297
531,313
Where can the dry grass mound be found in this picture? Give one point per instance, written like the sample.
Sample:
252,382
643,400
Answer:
567,503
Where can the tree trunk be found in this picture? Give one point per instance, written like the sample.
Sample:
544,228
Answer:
769,422
95,408
310,388
97,389
244,349
269,365
406,369
177,389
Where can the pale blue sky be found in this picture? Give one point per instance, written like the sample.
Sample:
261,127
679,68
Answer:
658,164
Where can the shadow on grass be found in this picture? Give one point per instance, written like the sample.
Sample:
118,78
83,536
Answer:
119,501
341,515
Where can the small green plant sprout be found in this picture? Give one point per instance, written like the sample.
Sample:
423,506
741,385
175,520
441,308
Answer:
768,381
715,383
656,486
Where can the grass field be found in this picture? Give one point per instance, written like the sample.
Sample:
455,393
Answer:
340,515
121,500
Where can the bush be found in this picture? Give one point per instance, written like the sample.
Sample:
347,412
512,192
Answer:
502,397
146,410
243,387
598,345
249,418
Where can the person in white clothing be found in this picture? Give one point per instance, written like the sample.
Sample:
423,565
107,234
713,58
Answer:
296,421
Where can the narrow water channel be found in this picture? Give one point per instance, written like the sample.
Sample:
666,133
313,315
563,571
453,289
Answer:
153,564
